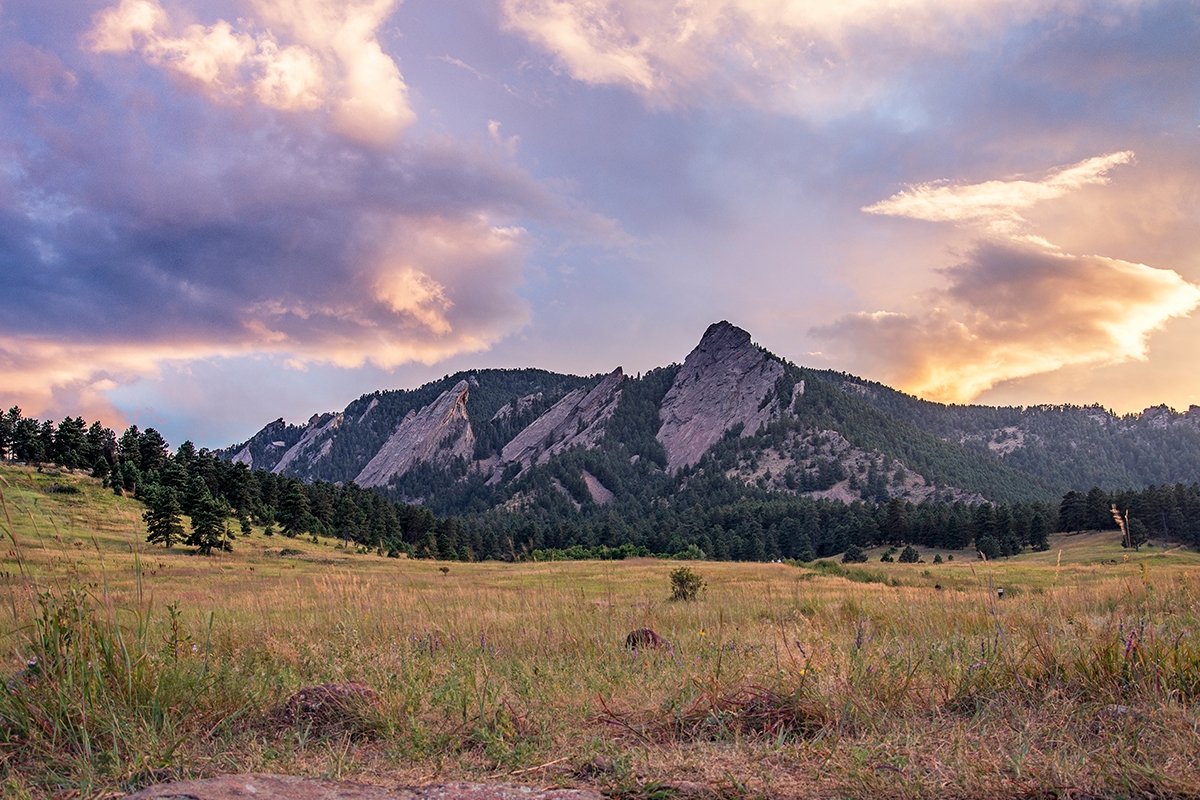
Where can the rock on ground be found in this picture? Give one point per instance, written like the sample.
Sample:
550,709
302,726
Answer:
291,787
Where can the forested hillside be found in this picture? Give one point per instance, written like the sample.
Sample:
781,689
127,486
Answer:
1068,447
736,453
351,438
549,511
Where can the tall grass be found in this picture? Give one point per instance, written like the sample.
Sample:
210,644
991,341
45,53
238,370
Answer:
152,664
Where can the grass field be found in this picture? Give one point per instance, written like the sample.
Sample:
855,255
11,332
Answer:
154,664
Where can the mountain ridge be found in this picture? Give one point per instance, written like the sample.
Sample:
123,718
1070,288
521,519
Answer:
731,403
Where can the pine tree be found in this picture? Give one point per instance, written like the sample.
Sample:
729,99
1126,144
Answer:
197,492
152,449
1139,534
1039,532
164,519
293,509
7,421
208,528
1073,515
127,448
70,443
896,526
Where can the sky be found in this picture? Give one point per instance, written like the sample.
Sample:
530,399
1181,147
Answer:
214,213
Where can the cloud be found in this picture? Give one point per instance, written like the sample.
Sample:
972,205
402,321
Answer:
293,264
783,55
1016,309
41,74
50,379
995,205
333,61
1017,305
142,229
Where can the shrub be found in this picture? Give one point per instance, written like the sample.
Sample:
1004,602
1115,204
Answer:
910,555
988,547
686,584
937,559
854,555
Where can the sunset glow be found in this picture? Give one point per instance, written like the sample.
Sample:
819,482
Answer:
217,212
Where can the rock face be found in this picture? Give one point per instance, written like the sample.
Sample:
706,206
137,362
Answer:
314,445
265,449
577,419
291,787
523,403
726,380
438,433
599,492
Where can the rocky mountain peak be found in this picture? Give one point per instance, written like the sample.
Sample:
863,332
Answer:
723,335
576,420
438,433
724,381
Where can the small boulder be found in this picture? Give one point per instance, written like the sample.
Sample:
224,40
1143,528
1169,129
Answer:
645,637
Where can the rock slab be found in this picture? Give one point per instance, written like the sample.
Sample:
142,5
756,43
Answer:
291,787
438,433
725,381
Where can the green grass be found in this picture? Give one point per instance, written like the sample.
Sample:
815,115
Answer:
782,681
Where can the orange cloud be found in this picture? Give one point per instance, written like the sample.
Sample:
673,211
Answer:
1014,310
427,289
1018,306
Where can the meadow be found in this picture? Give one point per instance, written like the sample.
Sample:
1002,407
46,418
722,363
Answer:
134,664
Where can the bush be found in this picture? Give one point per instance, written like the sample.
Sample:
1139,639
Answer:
854,555
937,559
910,555
686,584
988,547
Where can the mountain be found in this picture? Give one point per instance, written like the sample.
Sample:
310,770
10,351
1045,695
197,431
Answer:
1071,447
731,415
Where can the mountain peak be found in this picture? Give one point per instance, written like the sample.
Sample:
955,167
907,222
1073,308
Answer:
723,335
725,381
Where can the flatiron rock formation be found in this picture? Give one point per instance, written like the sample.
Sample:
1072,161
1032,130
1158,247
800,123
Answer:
314,445
577,419
265,449
437,433
726,380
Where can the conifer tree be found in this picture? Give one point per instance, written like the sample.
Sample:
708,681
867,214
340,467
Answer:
128,449
164,519
1039,532
152,449
293,509
197,492
208,528
7,421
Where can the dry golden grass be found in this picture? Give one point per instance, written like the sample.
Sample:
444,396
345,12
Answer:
780,682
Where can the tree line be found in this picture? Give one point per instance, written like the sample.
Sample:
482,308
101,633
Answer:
700,512
222,499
